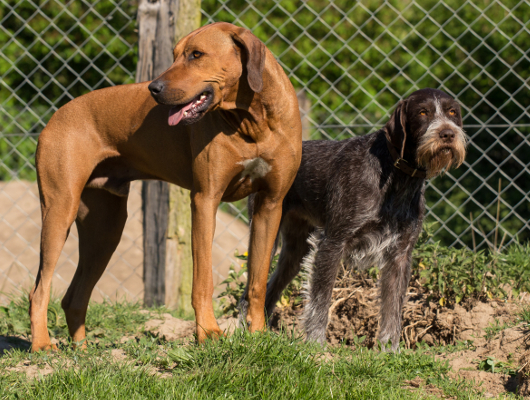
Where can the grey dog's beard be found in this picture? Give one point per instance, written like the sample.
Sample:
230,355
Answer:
436,156
436,163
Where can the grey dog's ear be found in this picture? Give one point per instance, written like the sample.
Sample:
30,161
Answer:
398,121
254,50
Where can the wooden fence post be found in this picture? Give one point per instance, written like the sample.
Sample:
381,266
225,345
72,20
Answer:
179,265
161,24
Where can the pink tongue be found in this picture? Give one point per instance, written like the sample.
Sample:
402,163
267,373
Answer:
176,115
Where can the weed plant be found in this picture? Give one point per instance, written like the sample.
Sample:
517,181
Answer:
451,275
446,274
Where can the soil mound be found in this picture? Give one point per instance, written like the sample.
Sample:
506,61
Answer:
486,330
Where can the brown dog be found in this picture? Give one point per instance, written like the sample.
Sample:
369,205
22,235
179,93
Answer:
233,129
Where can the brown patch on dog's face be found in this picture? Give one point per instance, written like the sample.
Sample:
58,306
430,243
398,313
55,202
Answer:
434,123
211,66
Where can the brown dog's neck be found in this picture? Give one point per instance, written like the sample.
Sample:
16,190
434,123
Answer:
257,114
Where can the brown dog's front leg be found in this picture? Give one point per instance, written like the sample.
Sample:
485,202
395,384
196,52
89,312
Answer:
204,209
263,231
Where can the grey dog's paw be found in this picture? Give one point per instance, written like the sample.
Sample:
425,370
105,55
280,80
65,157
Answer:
243,306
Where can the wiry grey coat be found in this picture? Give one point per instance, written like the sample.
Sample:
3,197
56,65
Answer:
350,203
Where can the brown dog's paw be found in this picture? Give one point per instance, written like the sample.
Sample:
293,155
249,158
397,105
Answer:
35,347
213,334
81,345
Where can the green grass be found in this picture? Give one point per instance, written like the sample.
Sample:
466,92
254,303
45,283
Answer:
241,366
492,330
110,320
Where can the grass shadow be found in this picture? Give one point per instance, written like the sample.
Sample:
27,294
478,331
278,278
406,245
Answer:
13,342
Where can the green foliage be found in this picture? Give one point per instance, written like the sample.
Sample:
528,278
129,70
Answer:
451,274
235,286
524,314
104,320
489,364
52,52
492,330
516,258
14,318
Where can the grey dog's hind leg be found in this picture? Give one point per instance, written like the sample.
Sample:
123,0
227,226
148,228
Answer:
322,266
393,284
294,233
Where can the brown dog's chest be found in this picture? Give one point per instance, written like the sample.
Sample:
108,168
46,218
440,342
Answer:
234,163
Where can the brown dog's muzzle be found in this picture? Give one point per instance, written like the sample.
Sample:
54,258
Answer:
188,112
156,87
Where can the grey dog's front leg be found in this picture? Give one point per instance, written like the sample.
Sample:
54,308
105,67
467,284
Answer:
322,265
395,277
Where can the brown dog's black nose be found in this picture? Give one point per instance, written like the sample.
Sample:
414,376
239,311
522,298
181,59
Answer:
447,135
156,87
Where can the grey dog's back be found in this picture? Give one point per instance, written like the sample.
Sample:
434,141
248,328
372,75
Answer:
326,192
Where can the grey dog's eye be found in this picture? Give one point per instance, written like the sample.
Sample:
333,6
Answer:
195,54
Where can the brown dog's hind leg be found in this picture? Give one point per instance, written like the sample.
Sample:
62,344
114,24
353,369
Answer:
100,223
203,209
263,230
56,222
64,162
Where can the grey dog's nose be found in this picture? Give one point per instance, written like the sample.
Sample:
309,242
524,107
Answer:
156,87
447,135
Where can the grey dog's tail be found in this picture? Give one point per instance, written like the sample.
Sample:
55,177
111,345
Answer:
308,278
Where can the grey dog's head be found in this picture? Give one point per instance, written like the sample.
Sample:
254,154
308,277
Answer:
432,123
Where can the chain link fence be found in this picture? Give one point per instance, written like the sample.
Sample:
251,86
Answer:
350,62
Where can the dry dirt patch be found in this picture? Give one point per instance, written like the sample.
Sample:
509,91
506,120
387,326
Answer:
32,371
504,349
354,313
171,328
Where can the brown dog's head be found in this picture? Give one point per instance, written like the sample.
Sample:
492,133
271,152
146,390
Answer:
431,123
210,65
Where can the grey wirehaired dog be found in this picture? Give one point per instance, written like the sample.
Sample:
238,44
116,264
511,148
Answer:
361,201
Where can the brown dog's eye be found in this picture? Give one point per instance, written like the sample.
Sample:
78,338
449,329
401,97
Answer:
423,112
195,54
452,112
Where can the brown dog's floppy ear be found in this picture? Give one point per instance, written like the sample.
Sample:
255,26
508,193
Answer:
255,52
